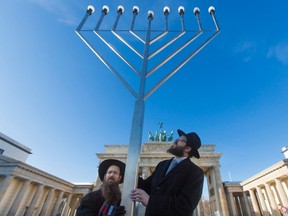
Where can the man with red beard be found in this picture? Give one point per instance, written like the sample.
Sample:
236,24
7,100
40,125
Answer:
175,187
106,200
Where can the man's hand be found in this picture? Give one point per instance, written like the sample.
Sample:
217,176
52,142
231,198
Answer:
139,195
120,211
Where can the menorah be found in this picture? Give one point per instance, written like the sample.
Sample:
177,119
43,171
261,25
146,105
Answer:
144,56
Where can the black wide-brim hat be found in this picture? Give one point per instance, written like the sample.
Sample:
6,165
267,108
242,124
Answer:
104,166
193,140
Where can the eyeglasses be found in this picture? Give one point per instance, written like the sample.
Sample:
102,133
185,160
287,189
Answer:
180,139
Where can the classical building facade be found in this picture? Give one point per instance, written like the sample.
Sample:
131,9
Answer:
263,194
154,152
26,190
267,190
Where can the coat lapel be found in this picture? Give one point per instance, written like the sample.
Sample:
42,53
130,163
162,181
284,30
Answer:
163,171
179,168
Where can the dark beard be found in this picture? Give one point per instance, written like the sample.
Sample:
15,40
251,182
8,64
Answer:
177,151
111,191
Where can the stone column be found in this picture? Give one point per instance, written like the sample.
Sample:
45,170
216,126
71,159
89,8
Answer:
146,172
246,204
254,203
74,203
199,210
262,201
271,198
58,202
46,209
66,208
19,203
242,204
215,206
196,210
232,203
34,201
220,191
281,192
5,197
4,186
238,206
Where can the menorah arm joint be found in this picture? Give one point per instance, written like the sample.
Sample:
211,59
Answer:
166,45
127,44
117,52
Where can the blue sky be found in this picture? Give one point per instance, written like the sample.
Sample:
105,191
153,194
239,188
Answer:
60,100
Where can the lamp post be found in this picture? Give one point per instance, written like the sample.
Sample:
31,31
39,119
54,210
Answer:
142,94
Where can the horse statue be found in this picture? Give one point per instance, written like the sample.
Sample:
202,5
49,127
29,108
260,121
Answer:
150,137
170,138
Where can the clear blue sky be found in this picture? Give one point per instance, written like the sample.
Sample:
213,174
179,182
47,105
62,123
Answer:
57,98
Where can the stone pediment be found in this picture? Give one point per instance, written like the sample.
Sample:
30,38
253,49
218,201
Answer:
153,152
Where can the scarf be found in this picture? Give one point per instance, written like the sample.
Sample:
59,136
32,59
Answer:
107,209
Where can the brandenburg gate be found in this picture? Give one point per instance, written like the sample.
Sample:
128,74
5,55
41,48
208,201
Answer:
154,152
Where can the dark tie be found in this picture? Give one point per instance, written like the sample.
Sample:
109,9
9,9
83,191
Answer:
172,165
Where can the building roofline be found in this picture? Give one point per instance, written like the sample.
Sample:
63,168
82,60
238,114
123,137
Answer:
14,143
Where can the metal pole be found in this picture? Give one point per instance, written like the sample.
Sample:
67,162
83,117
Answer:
134,150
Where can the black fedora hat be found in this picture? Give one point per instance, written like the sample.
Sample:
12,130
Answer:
104,166
193,140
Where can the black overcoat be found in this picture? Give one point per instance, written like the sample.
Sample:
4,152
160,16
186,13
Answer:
177,193
90,204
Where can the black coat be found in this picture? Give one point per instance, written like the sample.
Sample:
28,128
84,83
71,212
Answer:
90,204
177,193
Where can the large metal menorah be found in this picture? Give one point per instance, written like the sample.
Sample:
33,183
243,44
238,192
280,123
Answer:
144,56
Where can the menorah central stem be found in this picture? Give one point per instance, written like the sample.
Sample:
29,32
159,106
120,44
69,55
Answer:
134,150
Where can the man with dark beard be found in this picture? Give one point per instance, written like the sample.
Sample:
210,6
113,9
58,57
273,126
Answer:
175,187
106,200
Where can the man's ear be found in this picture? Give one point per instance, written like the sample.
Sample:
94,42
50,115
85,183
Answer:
187,149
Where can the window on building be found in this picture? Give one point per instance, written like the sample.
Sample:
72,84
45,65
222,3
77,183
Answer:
1,151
